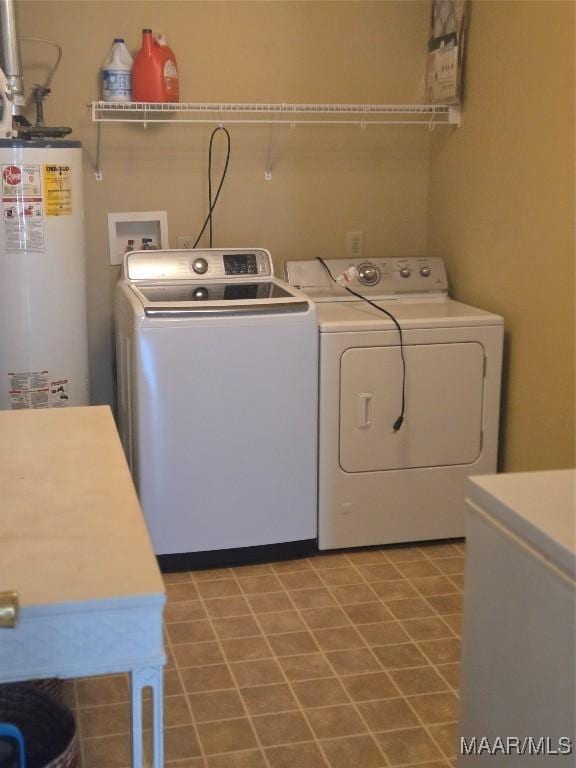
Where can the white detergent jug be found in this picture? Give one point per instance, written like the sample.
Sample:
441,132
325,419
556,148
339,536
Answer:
117,73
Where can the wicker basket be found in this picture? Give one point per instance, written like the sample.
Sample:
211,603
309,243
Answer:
53,686
48,726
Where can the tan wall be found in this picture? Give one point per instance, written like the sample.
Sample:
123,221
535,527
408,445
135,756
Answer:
502,213
325,182
500,200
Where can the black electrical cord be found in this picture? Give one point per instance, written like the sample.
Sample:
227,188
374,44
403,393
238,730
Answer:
399,421
212,204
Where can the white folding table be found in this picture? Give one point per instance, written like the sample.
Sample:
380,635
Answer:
74,546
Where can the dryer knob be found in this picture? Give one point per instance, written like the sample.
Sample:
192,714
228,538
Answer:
425,271
368,274
405,272
200,266
200,293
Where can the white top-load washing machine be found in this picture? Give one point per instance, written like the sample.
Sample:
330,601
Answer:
217,394
378,485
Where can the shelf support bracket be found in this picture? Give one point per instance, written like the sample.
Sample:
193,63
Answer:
97,168
455,116
270,159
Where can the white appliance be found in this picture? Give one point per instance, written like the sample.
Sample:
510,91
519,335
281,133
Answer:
43,337
217,389
517,683
378,485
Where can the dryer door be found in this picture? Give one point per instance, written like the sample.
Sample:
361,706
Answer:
443,419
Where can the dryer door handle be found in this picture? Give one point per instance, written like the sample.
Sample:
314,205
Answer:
364,410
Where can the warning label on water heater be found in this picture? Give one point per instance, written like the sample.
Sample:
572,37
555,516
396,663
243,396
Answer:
34,389
29,390
58,190
59,393
23,225
22,208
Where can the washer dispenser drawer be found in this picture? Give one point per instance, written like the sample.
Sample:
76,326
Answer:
443,418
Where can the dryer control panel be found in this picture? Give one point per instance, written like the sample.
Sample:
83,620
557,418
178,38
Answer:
198,264
377,278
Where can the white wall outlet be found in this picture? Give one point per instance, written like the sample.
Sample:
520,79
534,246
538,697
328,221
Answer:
355,245
185,241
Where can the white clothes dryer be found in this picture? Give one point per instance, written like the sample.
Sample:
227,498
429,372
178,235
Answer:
378,485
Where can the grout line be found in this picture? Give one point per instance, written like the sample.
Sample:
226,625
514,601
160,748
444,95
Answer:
458,586
236,686
120,702
314,708
191,713
78,725
440,616
323,585
271,746
424,725
290,710
287,681
338,678
291,656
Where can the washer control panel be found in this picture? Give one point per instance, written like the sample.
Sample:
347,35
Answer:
200,263
374,277
240,264
368,274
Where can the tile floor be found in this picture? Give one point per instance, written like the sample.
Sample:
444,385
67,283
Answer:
346,660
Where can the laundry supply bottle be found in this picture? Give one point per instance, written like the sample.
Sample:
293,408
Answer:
117,73
155,76
170,69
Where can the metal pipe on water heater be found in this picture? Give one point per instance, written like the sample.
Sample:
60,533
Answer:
11,60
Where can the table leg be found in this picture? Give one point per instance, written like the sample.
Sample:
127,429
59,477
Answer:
147,677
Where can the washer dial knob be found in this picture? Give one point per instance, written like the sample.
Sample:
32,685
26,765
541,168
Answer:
405,272
425,271
200,265
368,274
198,294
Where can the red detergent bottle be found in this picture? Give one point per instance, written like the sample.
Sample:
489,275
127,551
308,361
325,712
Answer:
154,73
170,69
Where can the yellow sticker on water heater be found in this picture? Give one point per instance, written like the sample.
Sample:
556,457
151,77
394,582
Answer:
57,190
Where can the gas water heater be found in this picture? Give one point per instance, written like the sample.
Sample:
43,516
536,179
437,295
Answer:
43,333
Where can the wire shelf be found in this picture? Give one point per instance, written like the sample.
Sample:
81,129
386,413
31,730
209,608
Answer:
220,113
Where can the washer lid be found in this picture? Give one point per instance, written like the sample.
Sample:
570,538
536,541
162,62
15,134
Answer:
184,299
209,282
210,292
339,317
